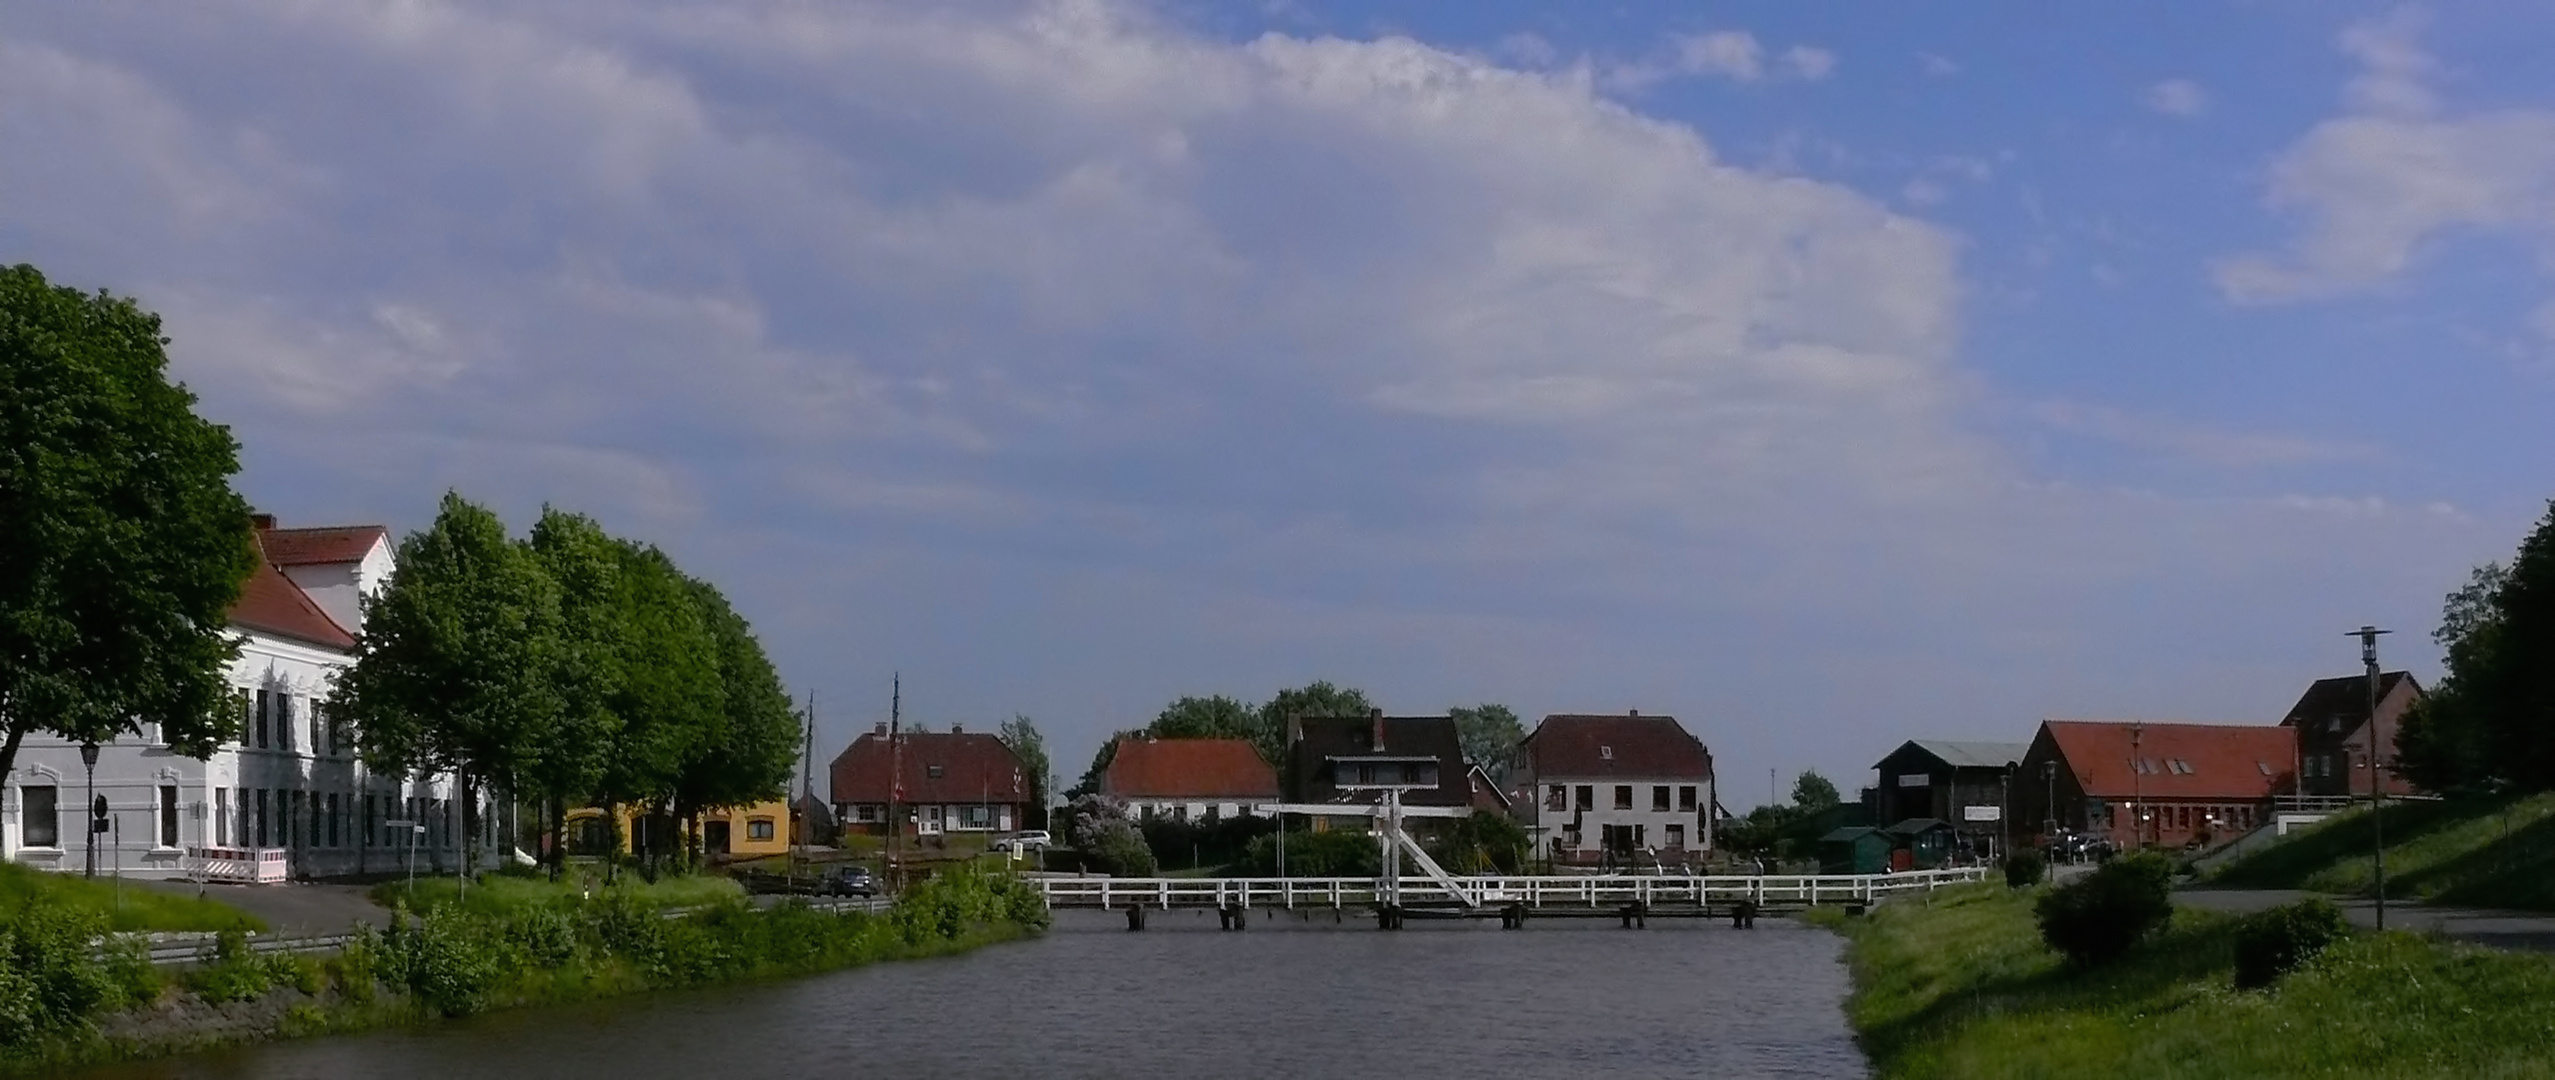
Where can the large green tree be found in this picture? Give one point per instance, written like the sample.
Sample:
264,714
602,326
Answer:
2446,743
1213,717
1030,746
670,700
1812,793
2490,723
455,670
584,564
746,749
1490,734
1314,699
126,544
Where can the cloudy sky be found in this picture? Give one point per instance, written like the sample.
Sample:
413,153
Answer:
1824,379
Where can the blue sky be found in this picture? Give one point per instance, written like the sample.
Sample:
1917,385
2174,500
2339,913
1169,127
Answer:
1823,376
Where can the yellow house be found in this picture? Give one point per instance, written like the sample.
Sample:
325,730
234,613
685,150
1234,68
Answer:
743,832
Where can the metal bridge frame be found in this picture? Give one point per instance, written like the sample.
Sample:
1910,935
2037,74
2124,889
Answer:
1531,890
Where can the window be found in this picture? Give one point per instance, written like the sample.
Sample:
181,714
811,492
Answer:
1606,752
1556,797
247,710
1677,836
1410,772
168,815
869,812
265,710
933,771
1685,797
41,812
221,817
260,818
1587,797
332,819
283,720
982,817
1623,796
1659,796
319,730
758,828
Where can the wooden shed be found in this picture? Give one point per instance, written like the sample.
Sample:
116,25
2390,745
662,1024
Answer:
1921,843
1855,849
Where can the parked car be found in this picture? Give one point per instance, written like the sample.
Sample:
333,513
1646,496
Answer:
1027,840
848,881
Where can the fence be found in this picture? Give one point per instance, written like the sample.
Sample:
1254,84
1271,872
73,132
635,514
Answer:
1536,891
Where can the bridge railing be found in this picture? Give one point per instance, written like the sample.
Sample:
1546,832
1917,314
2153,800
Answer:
1534,890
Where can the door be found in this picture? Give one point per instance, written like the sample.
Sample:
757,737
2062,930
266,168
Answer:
714,837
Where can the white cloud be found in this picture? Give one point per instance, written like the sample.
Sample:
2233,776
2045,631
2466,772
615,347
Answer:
2231,449
1809,63
1735,55
2177,97
1731,54
1936,66
2382,183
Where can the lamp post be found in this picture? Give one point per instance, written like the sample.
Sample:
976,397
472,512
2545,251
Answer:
89,761
2049,809
2368,636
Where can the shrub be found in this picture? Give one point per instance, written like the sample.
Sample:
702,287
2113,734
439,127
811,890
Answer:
2024,867
357,966
49,979
232,972
451,960
2104,913
1315,854
2273,943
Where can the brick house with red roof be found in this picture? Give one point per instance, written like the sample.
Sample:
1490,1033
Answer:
2332,722
288,789
2139,783
937,782
1620,783
1185,779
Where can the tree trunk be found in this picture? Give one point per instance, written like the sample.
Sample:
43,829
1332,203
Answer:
557,807
9,748
469,818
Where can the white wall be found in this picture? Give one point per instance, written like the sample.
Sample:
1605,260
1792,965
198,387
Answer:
338,588
1654,824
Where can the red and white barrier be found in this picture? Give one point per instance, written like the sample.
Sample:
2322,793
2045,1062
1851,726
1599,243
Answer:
246,866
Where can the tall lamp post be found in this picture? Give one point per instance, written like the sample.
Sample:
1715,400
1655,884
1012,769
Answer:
2049,809
2368,636
89,761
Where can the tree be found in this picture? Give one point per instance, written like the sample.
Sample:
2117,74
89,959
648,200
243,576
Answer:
455,670
670,699
584,563
2490,723
1316,699
1812,793
1489,734
744,752
127,545
1098,773
1022,736
2444,744
1216,717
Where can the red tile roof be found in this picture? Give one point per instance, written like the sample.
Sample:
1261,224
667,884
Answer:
2180,761
270,603
1631,745
335,544
1189,769
971,767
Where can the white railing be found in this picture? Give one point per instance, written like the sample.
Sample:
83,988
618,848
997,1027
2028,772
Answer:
247,866
1534,891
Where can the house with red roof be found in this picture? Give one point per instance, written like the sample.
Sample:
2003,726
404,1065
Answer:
287,794
1189,779
929,783
2334,732
1619,784
2148,784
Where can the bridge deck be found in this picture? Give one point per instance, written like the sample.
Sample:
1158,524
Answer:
1538,891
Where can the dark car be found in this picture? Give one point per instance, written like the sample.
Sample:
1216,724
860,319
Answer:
848,881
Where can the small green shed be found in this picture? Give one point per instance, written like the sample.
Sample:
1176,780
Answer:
1855,849
1926,841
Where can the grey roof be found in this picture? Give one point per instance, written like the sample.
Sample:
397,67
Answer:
1973,755
1849,832
1915,825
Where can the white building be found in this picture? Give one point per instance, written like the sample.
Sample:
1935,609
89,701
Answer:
1618,783
289,786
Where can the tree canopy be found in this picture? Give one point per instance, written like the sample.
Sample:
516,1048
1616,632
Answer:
1489,734
1812,793
127,545
2490,723
1026,743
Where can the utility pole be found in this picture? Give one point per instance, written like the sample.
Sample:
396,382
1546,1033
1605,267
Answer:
2138,786
895,781
89,761
2368,636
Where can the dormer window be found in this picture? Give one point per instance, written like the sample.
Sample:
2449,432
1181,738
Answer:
1606,752
932,771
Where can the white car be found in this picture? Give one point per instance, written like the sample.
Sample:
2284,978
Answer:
1030,840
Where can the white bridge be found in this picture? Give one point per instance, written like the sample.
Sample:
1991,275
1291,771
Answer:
1586,892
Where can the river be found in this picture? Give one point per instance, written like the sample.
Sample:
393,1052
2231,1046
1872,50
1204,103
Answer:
1287,998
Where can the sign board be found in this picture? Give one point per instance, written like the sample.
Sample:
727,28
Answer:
1982,813
1914,779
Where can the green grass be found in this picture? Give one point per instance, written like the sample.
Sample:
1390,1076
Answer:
507,893
2483,853
1961,986
133,908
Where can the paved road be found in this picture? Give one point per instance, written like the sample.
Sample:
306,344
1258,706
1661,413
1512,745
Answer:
2528,930
298,908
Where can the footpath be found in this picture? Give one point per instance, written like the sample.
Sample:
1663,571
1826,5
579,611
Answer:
2515,930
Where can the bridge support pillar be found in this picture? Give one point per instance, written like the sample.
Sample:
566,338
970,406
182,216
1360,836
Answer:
1512,917
1233,917
1135,918
1636,915
1388,917
1743,915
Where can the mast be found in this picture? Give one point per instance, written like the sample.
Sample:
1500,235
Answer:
895,778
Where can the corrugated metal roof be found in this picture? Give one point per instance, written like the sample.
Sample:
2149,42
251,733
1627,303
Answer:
1974,755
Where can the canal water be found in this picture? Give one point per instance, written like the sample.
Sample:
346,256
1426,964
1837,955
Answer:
1568,999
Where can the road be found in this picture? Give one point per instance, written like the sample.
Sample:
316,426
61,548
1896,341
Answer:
2525,930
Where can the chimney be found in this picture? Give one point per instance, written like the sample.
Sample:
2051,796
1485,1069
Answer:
958,729
1633,713
881,729
261,522
1294,728
1379,730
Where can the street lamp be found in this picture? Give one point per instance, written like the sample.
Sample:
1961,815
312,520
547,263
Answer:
2368,636
2049,817
89,761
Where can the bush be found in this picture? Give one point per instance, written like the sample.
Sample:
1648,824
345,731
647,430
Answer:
1314,854
232,972
2024,867
49,979
2104,913
2273,943
450,959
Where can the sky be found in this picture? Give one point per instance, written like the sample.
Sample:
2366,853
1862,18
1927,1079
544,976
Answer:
1822,376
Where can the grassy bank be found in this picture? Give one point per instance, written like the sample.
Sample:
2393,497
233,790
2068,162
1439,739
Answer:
1961,986
73,1006
498,894
2498,853
124,908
